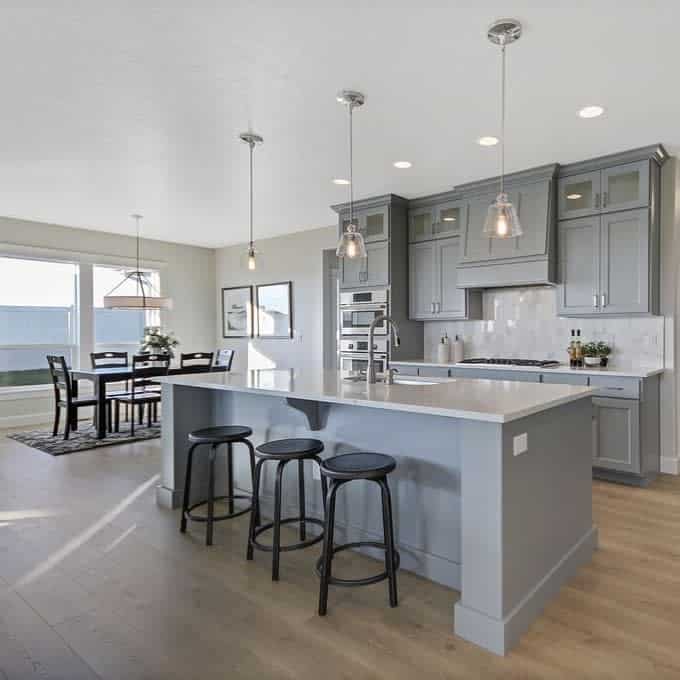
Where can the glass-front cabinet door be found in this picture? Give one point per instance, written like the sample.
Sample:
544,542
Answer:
625,187
420,224
373,224
579,195
450,219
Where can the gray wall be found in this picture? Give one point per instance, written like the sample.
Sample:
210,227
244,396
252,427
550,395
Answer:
298,258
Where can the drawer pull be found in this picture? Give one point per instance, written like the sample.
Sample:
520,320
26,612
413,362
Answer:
617,389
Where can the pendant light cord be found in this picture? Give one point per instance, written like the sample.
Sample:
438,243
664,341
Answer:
252,146
503,118
350,106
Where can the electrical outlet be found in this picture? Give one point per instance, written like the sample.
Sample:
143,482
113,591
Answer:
520,444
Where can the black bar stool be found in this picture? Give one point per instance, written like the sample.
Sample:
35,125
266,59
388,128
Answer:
214,437
340,470
284,451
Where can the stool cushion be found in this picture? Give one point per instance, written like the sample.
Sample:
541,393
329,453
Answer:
220,435
358,466
282,449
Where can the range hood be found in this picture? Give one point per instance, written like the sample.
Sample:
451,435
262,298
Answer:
527,260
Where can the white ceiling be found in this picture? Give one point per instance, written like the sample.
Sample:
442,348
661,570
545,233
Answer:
110,107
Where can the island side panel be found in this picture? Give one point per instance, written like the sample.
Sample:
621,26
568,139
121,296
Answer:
528,537
425,486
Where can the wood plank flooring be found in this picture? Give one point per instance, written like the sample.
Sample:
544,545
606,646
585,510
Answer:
97,582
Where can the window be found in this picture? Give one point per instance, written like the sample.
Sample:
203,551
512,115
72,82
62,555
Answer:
119,329
37,317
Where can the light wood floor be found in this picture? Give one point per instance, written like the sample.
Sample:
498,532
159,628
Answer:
97,582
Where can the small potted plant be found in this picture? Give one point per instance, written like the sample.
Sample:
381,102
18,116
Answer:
591,354
156,341
603,351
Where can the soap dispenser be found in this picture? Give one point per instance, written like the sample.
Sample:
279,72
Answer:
458,350
444,350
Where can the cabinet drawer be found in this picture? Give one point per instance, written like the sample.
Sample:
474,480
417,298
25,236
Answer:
433,372
623,388
562,379
405,369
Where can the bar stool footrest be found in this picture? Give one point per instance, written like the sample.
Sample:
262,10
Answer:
217,518
367,581
291,546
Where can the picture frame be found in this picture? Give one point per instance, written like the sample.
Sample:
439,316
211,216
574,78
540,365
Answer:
274,309
237,312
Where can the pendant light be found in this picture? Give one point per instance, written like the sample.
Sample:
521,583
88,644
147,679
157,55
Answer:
251,139
351,244
501,218
146,296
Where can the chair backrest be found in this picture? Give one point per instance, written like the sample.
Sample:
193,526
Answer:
198,361
108,359
147,366
224,358
61,377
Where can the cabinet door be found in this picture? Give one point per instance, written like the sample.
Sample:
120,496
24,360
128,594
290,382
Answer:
449,300
579,260
616,434
377,264
374,224
624,247
420,224
352,272
579,195
477,246
421,280
625,186
450,219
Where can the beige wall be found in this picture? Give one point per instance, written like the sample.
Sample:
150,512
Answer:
295,257
187,275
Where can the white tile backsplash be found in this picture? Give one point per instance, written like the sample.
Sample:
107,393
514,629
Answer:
523,322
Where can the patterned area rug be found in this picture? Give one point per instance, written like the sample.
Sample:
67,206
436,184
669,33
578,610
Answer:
82,439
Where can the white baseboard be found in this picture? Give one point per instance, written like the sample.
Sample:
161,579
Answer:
670,466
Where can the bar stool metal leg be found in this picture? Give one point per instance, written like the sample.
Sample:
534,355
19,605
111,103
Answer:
301,494
230,476
276,545
388,533
211,495
187,485
327,547
255,506
255,512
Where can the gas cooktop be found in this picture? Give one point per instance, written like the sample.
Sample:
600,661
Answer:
513,362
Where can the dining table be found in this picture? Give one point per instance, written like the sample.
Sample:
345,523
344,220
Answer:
101,377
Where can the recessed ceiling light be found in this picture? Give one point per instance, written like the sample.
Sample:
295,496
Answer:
449,219
591,111
574,197
339,180
402,165
487,141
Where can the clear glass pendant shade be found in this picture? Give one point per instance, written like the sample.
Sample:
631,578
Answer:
351,243
251,260
501,219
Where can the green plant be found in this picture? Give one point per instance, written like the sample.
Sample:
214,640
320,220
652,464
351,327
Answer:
603,349
156,341
590,349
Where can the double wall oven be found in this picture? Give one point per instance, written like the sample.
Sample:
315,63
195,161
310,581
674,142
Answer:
358,310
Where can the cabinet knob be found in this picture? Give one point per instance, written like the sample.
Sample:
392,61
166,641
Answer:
604,199
595,300
597,200
603,300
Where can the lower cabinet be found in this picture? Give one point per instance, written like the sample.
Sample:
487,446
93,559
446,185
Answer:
616,434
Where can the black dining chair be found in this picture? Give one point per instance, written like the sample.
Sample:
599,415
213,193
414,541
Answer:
112,360
145,367
63,395
224,357
196,362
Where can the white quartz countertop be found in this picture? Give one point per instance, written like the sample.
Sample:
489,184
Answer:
614,371
497,401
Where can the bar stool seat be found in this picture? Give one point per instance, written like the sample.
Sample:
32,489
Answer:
220,435
284,451
215,437
340,470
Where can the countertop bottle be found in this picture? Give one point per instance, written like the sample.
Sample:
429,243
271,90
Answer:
444,350
458,350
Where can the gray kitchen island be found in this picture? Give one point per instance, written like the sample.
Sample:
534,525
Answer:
492,493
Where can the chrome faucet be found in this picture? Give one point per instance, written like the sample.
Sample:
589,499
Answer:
370,370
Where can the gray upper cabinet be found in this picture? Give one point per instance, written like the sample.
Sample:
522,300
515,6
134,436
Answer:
579,265
377,264
433,289
351,272
616,434
439,220
619,187
374,224
420,224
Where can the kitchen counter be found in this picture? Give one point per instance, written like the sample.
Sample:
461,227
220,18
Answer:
492,493
614,371
488,400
